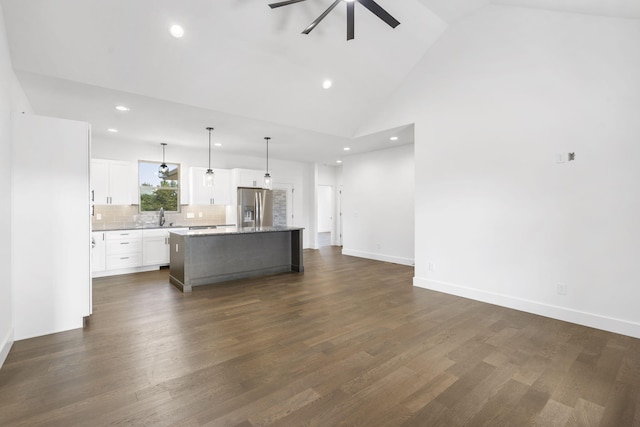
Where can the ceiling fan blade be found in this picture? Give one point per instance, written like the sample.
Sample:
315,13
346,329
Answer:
380,12
351,12
284,3
321,17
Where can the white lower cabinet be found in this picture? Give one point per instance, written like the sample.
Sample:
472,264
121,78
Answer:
124,249
155,247
129,251
98,254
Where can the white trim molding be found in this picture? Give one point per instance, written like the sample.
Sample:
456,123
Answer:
379,257
611,324
5,346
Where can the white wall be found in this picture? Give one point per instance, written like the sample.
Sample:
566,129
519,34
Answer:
12,99
377,205
284,172
51,229
498,220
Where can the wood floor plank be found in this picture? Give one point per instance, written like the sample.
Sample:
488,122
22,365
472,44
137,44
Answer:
554,414
348,342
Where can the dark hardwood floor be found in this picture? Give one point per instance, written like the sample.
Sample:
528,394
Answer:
349,342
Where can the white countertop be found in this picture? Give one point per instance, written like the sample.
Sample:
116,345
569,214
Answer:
233,230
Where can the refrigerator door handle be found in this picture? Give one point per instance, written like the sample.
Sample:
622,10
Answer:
258,209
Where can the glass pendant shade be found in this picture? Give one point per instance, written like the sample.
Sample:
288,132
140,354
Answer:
209,176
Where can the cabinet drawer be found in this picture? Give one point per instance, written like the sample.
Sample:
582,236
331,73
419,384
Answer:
124,235
129,246
118,261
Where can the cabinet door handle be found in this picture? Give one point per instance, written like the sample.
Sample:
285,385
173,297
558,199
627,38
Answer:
93,210
124,257
93,195
124,243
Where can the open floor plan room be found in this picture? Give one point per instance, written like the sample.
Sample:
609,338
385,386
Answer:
349,342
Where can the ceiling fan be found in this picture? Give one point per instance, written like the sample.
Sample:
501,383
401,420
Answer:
369,4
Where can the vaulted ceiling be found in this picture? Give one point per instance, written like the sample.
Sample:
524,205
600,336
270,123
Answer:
240,67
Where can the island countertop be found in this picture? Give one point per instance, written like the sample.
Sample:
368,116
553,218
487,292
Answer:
233,230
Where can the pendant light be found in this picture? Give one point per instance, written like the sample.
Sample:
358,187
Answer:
268,182
163,170
209,180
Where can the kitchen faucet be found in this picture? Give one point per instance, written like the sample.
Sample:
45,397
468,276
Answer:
162,220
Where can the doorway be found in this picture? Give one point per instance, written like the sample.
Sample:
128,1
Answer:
325,215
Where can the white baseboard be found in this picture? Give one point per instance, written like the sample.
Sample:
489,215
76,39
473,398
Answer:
611,324
121,271
378,257
5,346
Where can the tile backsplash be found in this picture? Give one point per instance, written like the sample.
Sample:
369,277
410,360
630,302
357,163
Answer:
123,216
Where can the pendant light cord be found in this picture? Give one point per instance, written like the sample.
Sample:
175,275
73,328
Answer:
209,129
267,138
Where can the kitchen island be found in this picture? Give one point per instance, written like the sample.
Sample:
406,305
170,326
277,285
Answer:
202,257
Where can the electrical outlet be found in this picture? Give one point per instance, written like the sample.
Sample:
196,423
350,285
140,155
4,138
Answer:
98,217
562,289
199,214
377,245
190,215
431,266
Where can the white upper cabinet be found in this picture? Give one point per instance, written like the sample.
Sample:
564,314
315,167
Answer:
222,187
249,178
113,182
200,194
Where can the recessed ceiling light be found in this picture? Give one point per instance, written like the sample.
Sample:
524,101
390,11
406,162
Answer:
394,138
327,84
112,130
347,148
176,31
217,144
338,161
122,108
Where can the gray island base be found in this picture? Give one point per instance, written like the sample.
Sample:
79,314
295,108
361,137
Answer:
203,257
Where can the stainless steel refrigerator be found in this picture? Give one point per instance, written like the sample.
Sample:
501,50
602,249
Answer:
255,207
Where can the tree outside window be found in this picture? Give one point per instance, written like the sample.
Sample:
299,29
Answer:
158,190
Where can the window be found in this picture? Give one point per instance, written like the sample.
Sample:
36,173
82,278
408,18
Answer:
158,191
